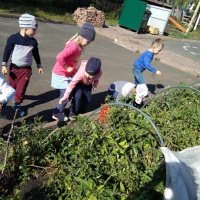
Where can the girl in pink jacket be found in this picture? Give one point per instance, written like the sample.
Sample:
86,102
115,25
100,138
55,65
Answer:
81,85
65,66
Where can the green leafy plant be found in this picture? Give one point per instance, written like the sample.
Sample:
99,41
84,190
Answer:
118,159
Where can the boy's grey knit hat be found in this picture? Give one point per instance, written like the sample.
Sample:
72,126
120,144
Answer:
87,31
28,21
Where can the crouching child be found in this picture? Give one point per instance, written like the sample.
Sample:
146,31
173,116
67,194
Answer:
80,88
124,89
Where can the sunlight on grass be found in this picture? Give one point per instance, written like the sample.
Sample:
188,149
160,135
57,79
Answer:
53,16
111,21
47,12
111,18
192,35
195,35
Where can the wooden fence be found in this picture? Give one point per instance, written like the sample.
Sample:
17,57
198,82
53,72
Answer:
111,5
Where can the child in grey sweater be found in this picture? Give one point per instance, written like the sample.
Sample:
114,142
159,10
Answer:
120,89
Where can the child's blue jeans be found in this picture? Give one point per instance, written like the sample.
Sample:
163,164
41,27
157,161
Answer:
139,78
80,98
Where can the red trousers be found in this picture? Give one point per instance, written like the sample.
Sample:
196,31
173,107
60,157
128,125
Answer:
19,78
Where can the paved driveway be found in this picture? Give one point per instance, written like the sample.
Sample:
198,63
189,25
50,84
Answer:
116,60
185,48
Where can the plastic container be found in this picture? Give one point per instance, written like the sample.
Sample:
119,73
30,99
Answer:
145,19
132,14
159,17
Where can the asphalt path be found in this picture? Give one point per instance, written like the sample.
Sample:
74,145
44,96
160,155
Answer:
185,48
117,63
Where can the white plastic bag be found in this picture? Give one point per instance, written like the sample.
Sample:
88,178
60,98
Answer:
182,174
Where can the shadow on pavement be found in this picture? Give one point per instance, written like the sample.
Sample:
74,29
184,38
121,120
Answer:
152,87
96,101
42,98
46,115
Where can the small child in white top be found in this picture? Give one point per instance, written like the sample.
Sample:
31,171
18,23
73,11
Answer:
6,92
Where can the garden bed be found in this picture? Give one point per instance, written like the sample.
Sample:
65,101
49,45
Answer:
117,159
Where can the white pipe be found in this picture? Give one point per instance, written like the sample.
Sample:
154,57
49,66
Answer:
197,22
193,17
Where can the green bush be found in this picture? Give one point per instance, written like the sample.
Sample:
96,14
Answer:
118,159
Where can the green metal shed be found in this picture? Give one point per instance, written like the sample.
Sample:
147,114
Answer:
132,14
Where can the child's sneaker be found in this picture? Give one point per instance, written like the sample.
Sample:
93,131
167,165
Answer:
60,117
20,109
72,116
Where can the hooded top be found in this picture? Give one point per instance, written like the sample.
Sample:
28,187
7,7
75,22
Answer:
6,91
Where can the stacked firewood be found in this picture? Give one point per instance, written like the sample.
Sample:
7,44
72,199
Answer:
90,14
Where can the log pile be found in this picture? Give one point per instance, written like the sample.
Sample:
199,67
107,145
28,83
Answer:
90,14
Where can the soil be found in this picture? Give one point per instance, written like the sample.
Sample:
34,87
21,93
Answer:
170,29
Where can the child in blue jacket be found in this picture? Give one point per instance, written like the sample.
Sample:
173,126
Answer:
144,61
